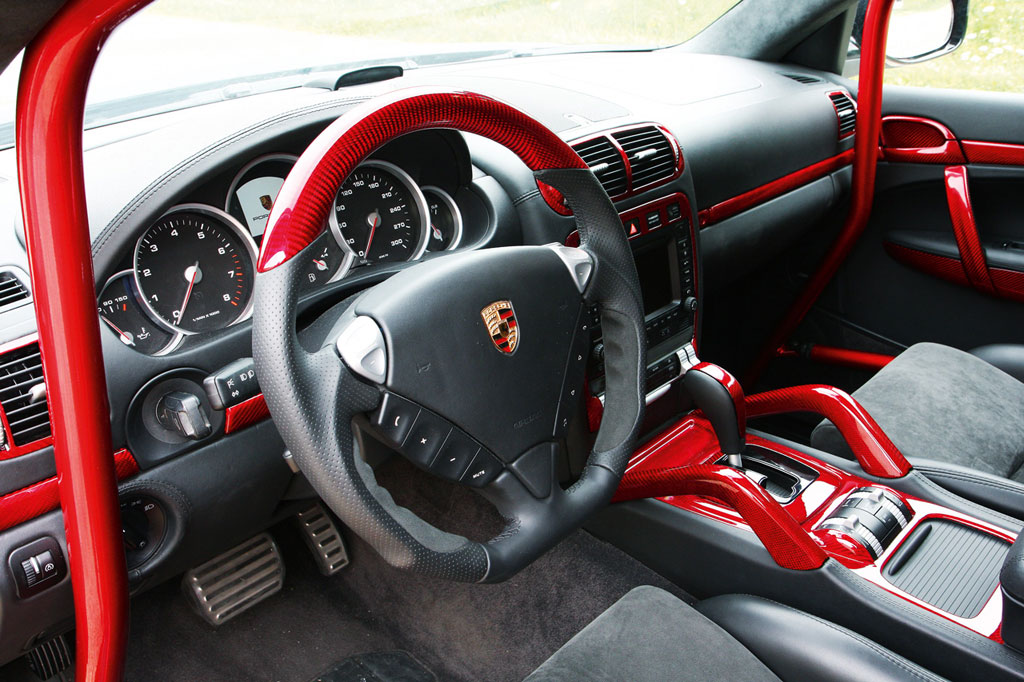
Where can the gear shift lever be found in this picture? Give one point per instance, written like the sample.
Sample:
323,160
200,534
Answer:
719,396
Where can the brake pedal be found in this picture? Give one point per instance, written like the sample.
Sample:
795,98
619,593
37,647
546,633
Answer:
50,658
236,580
323,539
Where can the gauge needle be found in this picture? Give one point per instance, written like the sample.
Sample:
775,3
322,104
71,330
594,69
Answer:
320,265
188,293
437,233
373,228
126,338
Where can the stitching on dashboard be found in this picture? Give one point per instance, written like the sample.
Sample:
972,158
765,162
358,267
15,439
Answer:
119,220
526,196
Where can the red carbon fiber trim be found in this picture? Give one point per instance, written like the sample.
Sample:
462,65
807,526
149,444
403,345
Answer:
839,356
785,540
972,255
862,190
304,202
13,450
949,269
995,153
245,414
913,139
723,377
1008,283
37,499
775,188
875,452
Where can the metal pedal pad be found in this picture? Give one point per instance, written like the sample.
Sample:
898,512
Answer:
323,539
236,580
50,658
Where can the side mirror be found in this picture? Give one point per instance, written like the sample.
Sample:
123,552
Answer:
919,30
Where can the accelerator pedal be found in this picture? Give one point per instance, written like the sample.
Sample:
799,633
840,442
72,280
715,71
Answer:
50,658
323,539
236,580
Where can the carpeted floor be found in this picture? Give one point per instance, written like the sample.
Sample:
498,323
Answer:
460,632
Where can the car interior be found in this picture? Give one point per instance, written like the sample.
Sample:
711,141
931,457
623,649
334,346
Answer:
695,362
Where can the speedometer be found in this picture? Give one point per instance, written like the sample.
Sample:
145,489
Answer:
380,214
194,269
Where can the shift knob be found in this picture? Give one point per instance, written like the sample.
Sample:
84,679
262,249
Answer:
719,396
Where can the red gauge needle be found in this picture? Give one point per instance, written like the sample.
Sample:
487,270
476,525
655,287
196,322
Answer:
320,264
437,233
188,292
126,338
373,228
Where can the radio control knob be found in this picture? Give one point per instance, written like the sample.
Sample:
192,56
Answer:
690,304
597,354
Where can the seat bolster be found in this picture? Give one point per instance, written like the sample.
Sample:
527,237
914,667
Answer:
798,646
651,636
998,493
1008,357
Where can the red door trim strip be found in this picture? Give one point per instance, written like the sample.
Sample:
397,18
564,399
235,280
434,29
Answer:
995,153
50,112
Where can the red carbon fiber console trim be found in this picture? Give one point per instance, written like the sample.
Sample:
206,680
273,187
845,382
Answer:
54,78
862,190
972,255
37,499
245,413
912,139
995,153
846,357
304,202
873,449
775,188
785,540
13,450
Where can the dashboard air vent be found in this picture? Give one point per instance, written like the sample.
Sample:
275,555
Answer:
12,289
605,162
23,394
801,78
651,156
846,111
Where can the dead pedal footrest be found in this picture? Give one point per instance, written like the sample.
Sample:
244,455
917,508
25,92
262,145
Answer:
236,580
323,539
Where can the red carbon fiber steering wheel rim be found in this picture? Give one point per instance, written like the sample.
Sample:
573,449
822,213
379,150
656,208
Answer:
304,202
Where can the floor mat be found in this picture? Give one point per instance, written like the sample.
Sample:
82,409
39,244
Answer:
387,666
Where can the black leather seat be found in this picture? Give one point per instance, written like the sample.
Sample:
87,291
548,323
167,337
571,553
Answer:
651,636
958,417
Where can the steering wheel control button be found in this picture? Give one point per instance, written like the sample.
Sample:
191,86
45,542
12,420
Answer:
361,346
37,566
395,417
425,438
484,469
455,456
579,262
232,384
536,469
575,373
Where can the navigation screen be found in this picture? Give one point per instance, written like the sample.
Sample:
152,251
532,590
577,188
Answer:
655,271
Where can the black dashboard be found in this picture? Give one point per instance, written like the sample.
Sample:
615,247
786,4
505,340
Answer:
178,202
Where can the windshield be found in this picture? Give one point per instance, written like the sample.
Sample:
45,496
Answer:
179,53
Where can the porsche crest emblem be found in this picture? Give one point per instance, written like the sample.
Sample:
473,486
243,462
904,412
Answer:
501,324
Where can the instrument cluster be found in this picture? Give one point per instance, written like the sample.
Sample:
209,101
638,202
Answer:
192,270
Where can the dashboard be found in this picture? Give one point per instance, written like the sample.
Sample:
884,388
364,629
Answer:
705,157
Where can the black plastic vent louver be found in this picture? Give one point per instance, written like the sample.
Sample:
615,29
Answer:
801,78
606,163
12,290
846,111
650,155
22,396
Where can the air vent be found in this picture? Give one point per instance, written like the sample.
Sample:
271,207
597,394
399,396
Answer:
605,162
801,78
23,394
650,154
12,289
846,111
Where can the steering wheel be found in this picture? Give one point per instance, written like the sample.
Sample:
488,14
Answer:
470,364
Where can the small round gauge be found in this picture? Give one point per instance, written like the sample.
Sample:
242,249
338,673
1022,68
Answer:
194,269
254,190
444,220
380,215
327,261
121,313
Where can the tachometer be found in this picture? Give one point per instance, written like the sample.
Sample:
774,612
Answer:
380,214
194,269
